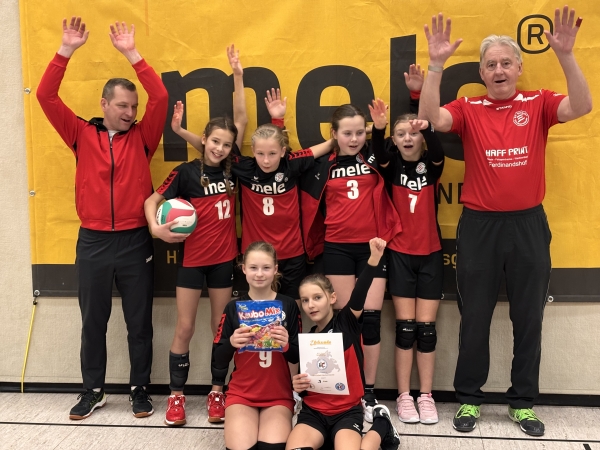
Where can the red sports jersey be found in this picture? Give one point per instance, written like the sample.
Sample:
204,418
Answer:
270,208
350,212
259,379
214,239
414,188
504,145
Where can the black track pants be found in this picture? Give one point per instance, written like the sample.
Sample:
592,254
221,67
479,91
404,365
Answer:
488,244
127,258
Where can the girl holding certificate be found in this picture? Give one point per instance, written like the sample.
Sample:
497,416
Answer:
259,403
339,418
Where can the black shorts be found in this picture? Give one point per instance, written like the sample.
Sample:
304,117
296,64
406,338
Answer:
218,276
350,259
292,270
328,426
415,276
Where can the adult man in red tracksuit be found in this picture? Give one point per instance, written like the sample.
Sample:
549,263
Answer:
111,183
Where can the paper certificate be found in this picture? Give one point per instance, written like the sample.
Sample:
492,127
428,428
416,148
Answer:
322,358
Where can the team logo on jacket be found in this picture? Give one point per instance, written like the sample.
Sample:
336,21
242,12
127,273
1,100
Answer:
421,168
279,177
358,158
521,118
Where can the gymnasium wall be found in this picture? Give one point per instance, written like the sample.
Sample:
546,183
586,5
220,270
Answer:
34,159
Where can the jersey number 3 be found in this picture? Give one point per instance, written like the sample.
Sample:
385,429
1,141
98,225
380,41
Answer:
265,359
353,192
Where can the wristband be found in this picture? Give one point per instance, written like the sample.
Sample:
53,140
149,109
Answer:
438,69
277,122
415,95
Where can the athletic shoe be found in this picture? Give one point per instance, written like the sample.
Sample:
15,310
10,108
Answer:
175,415
466,418
88,402
368,403
405,407
297,403
141,402
529,422
391,440
215,403
427,411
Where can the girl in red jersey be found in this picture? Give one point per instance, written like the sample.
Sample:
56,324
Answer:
259,403
412,160
339,418
210,250
344,202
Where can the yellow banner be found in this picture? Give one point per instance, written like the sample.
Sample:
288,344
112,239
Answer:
321,53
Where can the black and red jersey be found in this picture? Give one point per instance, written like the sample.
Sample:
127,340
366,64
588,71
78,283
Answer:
348,196
504,145
345,322
313,184
414,193
261,378
214,239
270,207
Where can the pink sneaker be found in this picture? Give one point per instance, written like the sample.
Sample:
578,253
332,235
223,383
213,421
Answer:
427,411
405,406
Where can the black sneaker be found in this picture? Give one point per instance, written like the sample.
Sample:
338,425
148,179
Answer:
88,402
466,418
529,422
391,441
141,402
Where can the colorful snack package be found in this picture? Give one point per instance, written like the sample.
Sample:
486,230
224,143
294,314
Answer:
261,316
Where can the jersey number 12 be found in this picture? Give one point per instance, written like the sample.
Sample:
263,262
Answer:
223,207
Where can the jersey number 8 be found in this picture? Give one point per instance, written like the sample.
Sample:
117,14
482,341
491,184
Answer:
268,206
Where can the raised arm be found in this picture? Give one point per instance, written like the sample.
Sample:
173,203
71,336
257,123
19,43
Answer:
240,117
579,99
440,49
359,294
64,121
378,111
193,139
276,106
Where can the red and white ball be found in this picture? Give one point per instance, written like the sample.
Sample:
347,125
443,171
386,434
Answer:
180,210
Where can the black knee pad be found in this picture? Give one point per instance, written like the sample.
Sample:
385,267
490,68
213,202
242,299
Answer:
406,334
371,327
426,337
260,445
179,367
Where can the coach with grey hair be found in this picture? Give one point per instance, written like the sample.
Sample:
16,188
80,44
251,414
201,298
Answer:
503,227
112,181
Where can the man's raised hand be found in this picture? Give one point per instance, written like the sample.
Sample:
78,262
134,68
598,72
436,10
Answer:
74,36
124,41
565,31
440,48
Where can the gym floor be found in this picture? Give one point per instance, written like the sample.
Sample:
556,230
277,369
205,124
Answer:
40,421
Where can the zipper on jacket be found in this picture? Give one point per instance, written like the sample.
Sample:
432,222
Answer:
112,180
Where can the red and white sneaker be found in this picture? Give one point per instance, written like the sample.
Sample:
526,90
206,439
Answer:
215,403
175,415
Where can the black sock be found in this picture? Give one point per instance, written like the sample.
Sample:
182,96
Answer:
381,426
369,389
